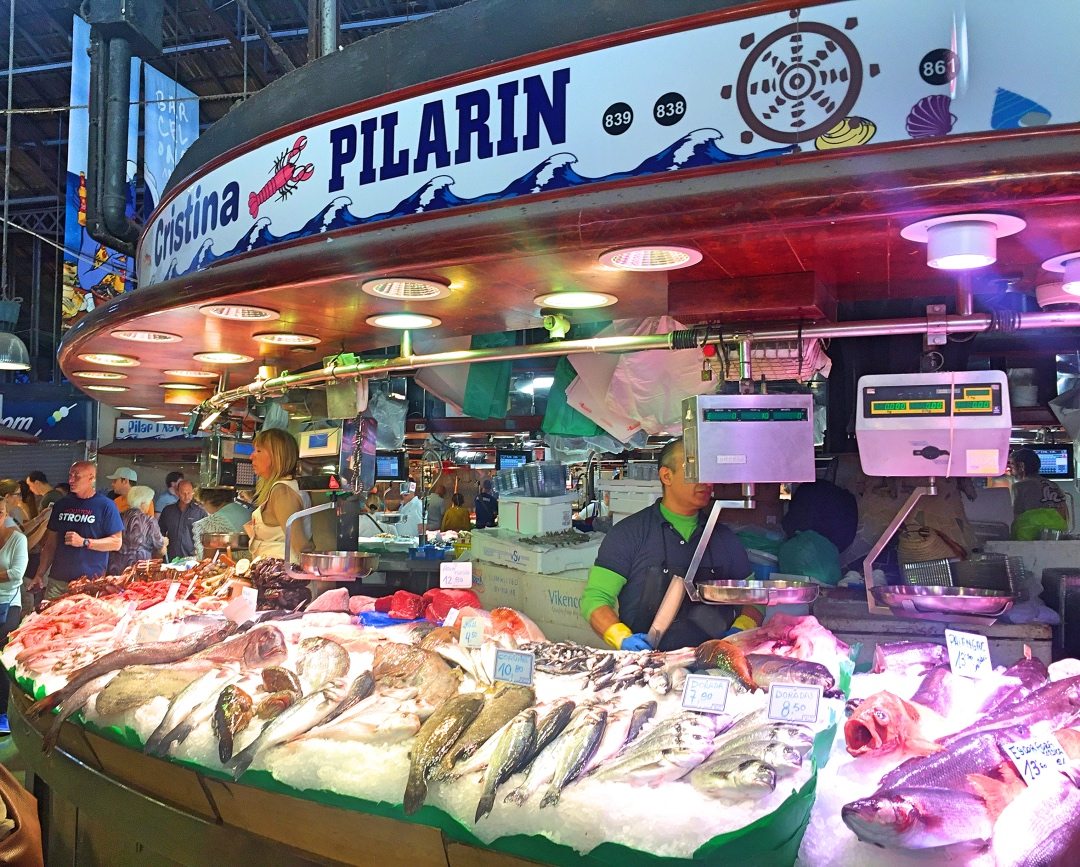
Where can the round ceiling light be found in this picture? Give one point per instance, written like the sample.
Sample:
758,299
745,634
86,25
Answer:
146,336
150,415
575,300
99,374
191,374
406,288
960,242
109,359
183,397
1069,265
286,338
132,408
105,387
184,386
222,357
658,257
403,321
239,312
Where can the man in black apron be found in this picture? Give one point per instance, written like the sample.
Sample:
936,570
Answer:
641,553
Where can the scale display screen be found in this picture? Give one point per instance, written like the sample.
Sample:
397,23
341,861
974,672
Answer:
932,400
728,414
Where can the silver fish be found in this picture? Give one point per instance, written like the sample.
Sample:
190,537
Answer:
74,702
668,751
506,703
734,778
512,750
917,818
320,661
360,689
788,734
434,740
573,749
194,694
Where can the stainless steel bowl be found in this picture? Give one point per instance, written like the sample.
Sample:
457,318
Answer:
757,592
331,565
388,517
221,541
964,601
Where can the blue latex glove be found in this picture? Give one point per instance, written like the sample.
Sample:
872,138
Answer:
637,641
733,631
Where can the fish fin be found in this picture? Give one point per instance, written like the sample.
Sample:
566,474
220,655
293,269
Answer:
516,796
485,805
996,794
922,746
42,706
243,759
551,798
1073,773
415,791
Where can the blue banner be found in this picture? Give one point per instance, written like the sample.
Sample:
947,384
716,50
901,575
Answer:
93,273
172,124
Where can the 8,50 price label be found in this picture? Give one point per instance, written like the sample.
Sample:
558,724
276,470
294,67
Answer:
706,693
790,702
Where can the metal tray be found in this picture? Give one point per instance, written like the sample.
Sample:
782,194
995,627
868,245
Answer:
754,592
944,603
338,565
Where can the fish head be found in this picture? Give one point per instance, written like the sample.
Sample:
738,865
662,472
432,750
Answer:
782,757
266,647
755,778
876,723
882,819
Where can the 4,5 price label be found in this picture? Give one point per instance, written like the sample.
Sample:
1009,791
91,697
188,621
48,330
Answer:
789,702
514,666
706,693
969,654
472,631
1036,757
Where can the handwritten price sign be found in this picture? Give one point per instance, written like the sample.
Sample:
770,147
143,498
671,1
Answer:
472,631
969,654
455,576
789,702
706,693
1034,758
514,666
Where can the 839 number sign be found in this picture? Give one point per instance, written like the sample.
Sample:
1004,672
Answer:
617,118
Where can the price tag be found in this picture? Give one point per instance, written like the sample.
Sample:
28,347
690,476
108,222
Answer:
514,666
1036,757
472,632
706,693
790,702
969,654
451,617
455,575
251,595
174,588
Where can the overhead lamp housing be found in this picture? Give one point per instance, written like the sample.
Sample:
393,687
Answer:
109,359
192,374
105,387
239,312
960,242
403,321
286,338
132,408
150,415
1068,265
13,354
222,357
406,288
575,299
138,336
183,386
99,374
650,257
180,397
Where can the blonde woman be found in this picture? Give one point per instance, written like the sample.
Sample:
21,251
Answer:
142,539
277,496
13,560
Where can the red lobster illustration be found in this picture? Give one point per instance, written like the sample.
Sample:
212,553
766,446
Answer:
287,175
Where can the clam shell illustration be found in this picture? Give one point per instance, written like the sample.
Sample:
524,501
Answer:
930,116
849,132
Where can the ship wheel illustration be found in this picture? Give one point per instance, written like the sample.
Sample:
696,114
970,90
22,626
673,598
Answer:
798,82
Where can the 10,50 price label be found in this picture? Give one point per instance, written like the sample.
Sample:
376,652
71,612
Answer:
514,666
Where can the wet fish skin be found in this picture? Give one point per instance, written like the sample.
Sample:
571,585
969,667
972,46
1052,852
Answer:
734,778
541,764
905,657
402,666
506,703
727,657
274,703
668,751
320,661
181,707
137,684
1039,828
361,687
768,669
919,818
1053,706
434,740
262,646
574,748
74,702
787,734
517,742
976,754
275,678
232,713
638,720
1031,675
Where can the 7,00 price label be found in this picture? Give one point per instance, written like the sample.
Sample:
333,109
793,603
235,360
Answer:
706,693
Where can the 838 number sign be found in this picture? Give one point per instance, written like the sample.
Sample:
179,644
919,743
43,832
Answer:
669,109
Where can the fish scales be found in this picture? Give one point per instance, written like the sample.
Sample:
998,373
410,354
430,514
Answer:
516,743
434,740
574,748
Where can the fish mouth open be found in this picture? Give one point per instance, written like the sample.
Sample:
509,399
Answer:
862,737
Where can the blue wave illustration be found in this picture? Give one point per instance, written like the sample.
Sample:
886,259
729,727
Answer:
694,150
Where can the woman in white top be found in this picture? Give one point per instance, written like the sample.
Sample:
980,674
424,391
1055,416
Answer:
277,496
12,569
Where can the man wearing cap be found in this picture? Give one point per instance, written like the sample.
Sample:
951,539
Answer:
122,480
169,495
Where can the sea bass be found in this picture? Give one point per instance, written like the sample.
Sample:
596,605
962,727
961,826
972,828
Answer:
768,669
507,702
919,818
185,703
434,740
515,745
666,752
885,722
573,749
734,778
541,763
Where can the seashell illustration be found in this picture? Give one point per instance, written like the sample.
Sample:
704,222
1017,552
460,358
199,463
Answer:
1012,111
849,132
930,116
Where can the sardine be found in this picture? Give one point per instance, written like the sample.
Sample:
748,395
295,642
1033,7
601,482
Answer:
320,661
74,702
138,684
573,749
301,717
152,653
185,703
232,713
515,745
734,778
768,669
257,648
506,703
919,818
434,741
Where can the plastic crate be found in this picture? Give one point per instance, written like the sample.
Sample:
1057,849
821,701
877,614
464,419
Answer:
933,573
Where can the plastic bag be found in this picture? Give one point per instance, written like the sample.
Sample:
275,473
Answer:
1066,406
389,412
811,554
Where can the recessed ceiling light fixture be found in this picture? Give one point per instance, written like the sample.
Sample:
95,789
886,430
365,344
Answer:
105,387
184,386
184,397
191,374
537,382
651,257
131,408
239,312
150,415
286,338
575,300
146,336
406,288
960,242
99,374
1067,264
403,321
109,359
222,357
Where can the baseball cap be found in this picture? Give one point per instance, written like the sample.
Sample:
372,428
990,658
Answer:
125,473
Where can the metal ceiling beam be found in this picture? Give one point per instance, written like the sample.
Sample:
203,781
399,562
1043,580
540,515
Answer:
226,27
264,33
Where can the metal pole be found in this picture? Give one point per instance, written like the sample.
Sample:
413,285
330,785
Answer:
964,294
328,27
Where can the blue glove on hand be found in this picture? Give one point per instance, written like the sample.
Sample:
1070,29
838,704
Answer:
733,631
637,641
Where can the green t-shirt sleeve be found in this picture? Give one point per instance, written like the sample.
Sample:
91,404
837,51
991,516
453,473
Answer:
602,588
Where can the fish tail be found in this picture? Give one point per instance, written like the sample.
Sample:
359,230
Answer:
225,746
242,761
48,742
516,796
43,706
415,791
551,798
485,805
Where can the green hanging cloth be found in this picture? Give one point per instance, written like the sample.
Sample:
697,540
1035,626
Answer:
561,419
487,390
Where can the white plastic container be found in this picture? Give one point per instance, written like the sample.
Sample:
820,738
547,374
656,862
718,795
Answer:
535,516
624,497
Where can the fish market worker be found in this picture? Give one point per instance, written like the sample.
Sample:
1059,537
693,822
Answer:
641,553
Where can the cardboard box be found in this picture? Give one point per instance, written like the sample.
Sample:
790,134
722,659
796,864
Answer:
498,586
502,547
534,516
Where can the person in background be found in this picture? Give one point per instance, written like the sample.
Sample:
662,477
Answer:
641,554
435,503
169,495
64,488
13,558
177,520
83,528
11,494
375,502
122,480
412,511
224,515
29,501
46,494
142,539
457,516
1038,503
277,496
486,506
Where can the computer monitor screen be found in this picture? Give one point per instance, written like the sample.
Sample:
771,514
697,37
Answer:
1055,462
391,466
506,459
